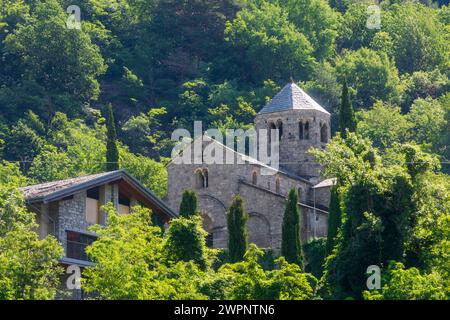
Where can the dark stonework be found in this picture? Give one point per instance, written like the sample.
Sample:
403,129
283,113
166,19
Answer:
264,194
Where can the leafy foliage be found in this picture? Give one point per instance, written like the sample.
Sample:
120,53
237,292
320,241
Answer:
347,119
381,220
248,280
409,284
188,206
237,230
334,219
291,248
185,241
129,262
28,265
164,64
112,152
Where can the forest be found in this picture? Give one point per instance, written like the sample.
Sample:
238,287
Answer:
135,70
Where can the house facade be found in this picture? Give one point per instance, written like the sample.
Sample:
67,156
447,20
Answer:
67,208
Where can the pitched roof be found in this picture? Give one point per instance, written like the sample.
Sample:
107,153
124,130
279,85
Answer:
235,155
56,190
326,183
292,97
44,189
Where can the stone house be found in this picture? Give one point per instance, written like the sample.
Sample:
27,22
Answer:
67,208
302,124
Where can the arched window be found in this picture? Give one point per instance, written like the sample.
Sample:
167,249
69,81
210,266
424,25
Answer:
324,133
300,130
306,131
198,179
269,138
254,177
271,127
205,178
277,185
280,129
201,178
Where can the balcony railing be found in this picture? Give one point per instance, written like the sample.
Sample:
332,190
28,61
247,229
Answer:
77,243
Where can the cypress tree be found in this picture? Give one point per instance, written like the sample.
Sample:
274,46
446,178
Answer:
291,247
112,152
237,228
347,119
188,206
334,220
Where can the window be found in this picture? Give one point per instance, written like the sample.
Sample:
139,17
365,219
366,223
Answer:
201,178
76,245
205,178
280,129
209,240
92,211
198,179
271,127
323,133
299,194
254,177
93,206
306,131
277,185
122,209
124,204
300,130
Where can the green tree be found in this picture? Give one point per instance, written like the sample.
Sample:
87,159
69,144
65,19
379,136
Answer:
424,84
237,230
149,172
130,262
381,210
427,117
185,241
371,74
409,284
334,219
420,39
347,119
315,254
57,65
188,206
22,144
112,151
317,21
384,125
353,32
291,248
144,134
269,45
247,280
51,165
29,266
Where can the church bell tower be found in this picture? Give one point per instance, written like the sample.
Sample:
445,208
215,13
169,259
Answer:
302,124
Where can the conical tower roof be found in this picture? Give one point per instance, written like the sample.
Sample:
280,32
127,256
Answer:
292,97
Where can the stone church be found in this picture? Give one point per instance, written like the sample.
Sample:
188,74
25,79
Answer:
302,123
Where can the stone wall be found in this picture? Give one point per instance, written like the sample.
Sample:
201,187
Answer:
72,216
322,196
264,199
72,212
294,155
